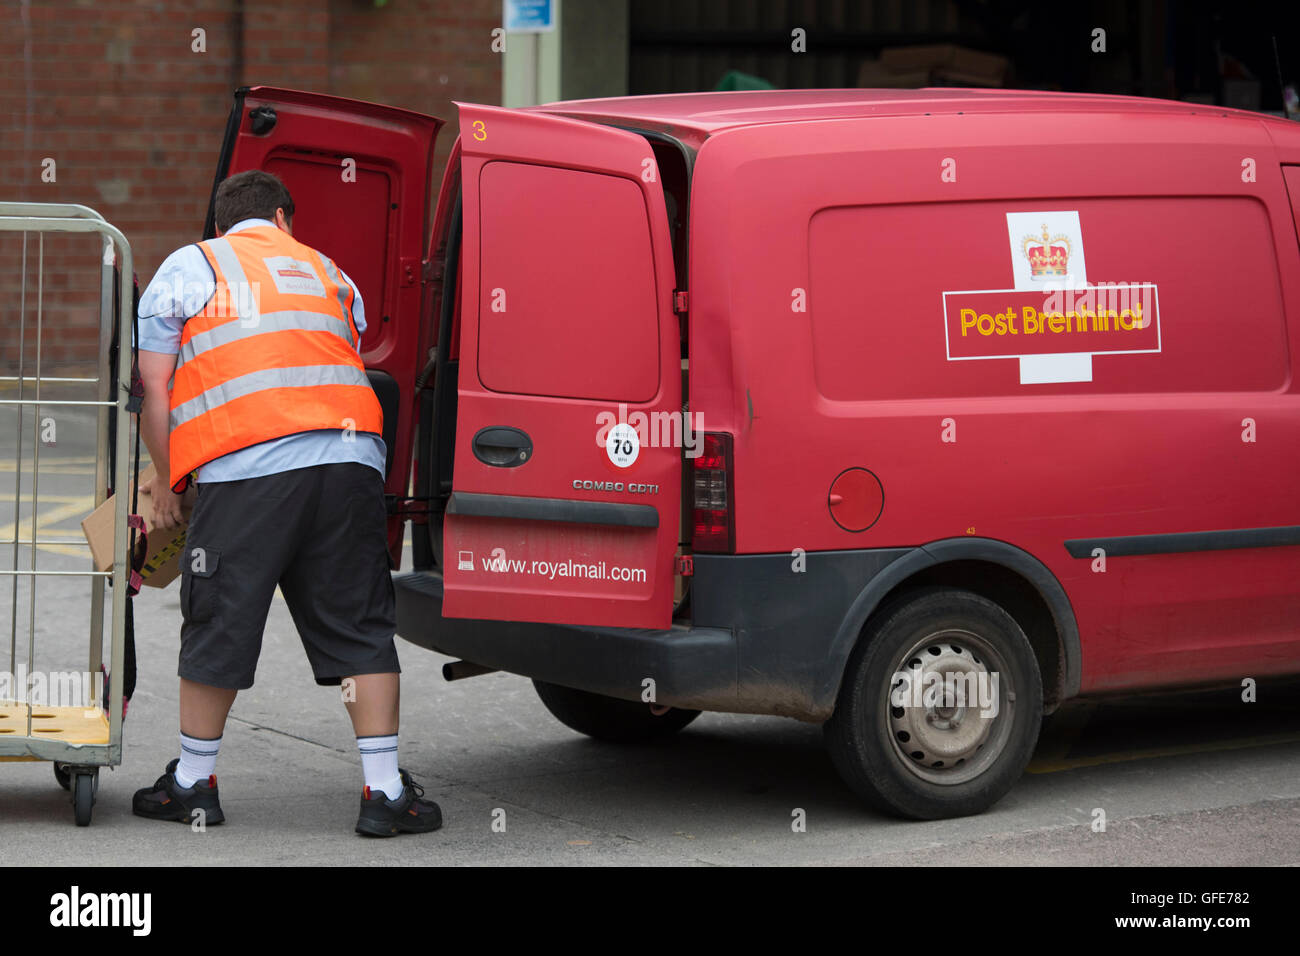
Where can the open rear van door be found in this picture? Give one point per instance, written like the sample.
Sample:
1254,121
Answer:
360,176
567,476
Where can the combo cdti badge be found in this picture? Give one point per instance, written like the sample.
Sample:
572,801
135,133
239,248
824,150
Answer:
912,413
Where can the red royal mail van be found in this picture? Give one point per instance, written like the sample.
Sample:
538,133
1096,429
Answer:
913,413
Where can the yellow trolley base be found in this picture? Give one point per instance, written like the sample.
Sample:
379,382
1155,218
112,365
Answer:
73,725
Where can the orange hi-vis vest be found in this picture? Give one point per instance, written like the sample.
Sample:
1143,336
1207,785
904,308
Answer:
272,353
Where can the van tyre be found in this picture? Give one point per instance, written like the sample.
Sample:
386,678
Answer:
609,718
938,759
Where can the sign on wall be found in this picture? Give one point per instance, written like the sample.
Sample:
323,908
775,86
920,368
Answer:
529,16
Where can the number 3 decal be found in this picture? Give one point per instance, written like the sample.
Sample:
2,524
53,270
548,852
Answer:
480,130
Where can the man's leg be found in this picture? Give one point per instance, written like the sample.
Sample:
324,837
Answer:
204,708
203,719
375,708
240,536
372,703
340,594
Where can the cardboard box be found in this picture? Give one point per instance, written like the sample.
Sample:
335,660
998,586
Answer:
872,74
162,564
947,63
1241,94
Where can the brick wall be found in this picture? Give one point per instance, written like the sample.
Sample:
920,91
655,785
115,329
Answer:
132,115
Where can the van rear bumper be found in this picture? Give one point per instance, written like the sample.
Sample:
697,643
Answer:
764,640
691,667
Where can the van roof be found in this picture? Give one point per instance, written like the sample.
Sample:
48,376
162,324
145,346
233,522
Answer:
693,117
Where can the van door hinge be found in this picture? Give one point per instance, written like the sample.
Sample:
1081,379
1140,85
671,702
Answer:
680,302
410,269
686,565
414,509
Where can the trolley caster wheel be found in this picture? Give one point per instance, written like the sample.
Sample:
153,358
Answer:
61,774
83,796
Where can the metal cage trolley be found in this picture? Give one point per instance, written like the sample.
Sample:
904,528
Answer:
78,739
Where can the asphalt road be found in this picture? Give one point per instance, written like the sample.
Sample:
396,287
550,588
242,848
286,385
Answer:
1183,779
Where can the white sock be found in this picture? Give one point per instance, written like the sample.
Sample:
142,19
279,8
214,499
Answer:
379,764
198,760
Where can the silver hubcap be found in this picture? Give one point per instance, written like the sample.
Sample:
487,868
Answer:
950,707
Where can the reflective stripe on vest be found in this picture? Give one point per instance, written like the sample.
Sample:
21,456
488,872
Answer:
272,353
271,322
344,290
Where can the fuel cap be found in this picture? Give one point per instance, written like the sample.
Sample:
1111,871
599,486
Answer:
856,499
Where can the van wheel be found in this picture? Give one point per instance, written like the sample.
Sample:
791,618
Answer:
912,742
609,718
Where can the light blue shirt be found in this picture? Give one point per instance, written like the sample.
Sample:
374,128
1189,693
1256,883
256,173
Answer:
181,289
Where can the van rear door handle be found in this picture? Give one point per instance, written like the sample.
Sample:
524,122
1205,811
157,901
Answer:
502,446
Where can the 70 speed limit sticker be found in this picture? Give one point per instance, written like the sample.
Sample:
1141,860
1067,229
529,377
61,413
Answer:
622,445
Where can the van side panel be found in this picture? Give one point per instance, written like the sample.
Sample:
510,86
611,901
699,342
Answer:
825,259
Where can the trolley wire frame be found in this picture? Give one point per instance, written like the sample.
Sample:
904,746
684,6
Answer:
43,218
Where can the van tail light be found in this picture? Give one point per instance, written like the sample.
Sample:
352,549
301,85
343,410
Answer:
714,484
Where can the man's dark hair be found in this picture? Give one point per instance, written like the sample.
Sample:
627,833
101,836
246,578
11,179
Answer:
250,195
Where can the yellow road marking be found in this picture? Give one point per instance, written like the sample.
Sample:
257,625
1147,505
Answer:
1241,743
58,466
70,459
1067,726
57,499
68,506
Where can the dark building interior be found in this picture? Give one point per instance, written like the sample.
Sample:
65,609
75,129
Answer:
1211,51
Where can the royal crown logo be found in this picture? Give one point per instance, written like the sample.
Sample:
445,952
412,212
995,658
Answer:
1048,257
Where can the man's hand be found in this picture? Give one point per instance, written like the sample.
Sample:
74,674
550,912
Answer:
165,505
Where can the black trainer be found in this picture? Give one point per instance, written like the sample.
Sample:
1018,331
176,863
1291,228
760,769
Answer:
382,817
166,800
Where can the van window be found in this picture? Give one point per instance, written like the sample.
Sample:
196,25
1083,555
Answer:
878,274
567,285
